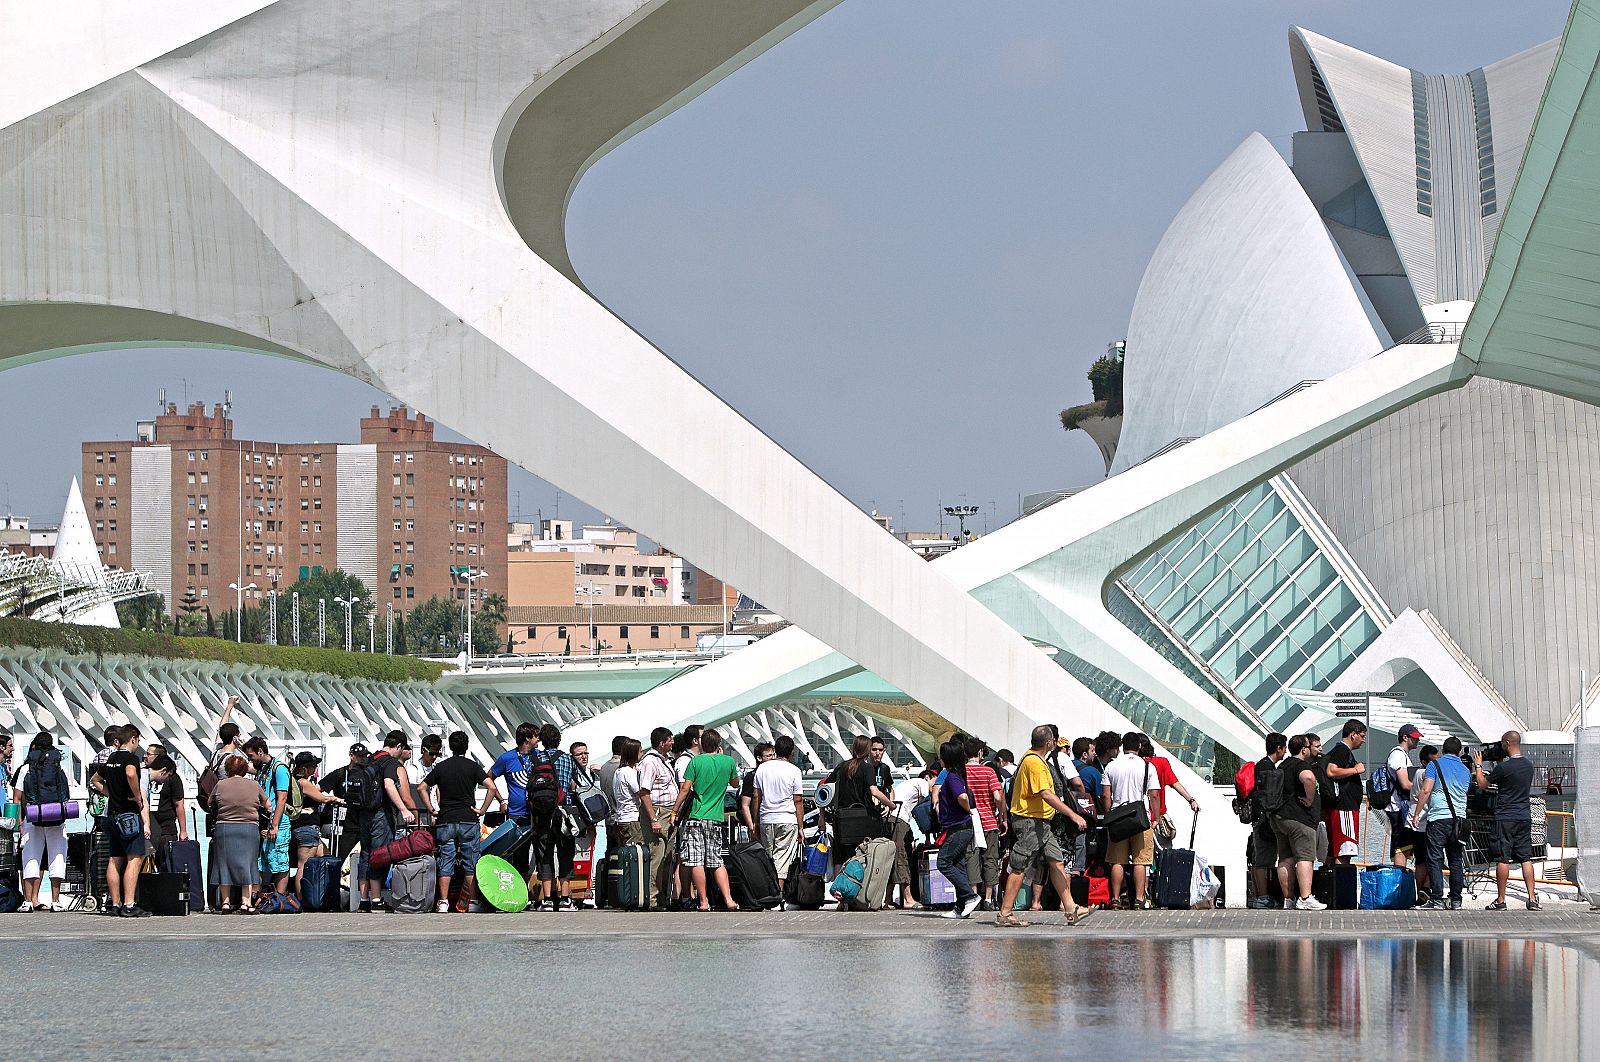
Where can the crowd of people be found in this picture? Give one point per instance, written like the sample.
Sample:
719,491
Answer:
1305,806
1008,834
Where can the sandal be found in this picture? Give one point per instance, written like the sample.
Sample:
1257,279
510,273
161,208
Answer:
1079,915
1011,921
226,908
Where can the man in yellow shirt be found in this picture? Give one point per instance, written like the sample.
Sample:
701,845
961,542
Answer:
1034,803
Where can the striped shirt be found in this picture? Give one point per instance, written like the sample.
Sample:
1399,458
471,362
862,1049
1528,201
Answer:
982,781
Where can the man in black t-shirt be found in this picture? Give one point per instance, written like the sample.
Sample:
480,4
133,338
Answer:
1263,842
1295,825
1343,814
350,821
456,829
168,822
128,838
1512,779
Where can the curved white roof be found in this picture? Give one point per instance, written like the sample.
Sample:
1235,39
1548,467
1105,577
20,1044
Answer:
1245,296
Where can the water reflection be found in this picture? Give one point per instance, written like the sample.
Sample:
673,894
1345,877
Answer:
1043,994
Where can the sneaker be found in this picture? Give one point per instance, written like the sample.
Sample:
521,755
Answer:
442,907
25,907
1498,905
135,911
1534,905
1309,903
366,907
1288,904
953,913
1261,903
967,908
1433,905
1455,905
476,908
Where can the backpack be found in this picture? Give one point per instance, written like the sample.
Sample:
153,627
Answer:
46,782
543,789
590,797
1244,784
1268,792
361,788
295,806
1380,788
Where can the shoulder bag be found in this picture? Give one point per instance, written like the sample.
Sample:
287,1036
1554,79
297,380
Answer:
1130,820
1460,828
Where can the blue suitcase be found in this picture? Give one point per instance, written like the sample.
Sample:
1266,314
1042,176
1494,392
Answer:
628,877
505,839
319,884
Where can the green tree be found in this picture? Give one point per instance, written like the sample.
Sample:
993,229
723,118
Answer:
485,634
434,627
323,585
400,643
494,605
147,613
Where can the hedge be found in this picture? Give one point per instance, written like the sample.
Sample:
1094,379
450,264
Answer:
97,641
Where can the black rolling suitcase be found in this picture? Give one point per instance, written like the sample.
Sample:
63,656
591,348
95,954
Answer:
1338,885
183,859
1173,883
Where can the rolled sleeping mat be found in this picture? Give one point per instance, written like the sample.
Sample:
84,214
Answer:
53,814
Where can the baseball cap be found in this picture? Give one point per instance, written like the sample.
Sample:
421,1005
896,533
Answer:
307,759
1408,731
358,749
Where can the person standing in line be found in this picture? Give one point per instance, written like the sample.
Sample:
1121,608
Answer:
684,749
584,844
705,785
606,775
275,779
1344,773
780,800
553,850
1441,805
907,795
383,825
237,802
1169,780
1263,841
749,810
351,818
168,820
417,768
1295,826
1403,843
1035,840
989,798
457,830
513,765
305,830
656,775
8,748
1512,780
626,793
129,815
41,780
1128,779
955,821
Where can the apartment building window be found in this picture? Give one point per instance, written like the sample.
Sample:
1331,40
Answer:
205,500
191,569
622,631
411,525
305,550
111,480
113,527
191,501
99,457
303,462
191,547
305,503
205,569
397,592
205,455
396,457
561,632
191,455
411,502
316,526
396,479
112,549
411,591
317,549
205,477
191,524
205,591
191,479
411,459
316,481
205,547
205,523
397,525
411,479
655,632
305,528
397,547
411,547
397,501
683,632
316,503
112,502
316,459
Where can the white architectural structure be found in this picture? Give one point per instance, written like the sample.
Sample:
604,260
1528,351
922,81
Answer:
71,585
380,188
1536,324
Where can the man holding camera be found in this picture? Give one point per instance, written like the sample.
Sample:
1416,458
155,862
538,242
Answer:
1512,778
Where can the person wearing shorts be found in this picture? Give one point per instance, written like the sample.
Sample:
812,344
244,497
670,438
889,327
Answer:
1033,809
1295,825
1128,779
705,783
779,800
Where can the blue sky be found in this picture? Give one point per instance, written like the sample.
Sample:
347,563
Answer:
895,242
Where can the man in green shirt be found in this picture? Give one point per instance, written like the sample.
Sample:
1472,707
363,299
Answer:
705,781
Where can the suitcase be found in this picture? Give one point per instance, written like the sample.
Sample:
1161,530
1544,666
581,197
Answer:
1080,884
1338,885
506,839
936,888
752,877
1173,883
413,884
183,858
319,884
877,857
803,890
1387,889
628,877
163,894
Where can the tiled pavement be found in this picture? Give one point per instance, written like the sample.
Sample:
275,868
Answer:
1557,923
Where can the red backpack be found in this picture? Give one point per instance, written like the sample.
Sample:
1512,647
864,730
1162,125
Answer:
1244,783
544,788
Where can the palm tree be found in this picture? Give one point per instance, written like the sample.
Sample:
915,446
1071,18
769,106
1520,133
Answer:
494,605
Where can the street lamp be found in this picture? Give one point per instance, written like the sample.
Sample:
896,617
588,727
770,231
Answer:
590,590
388,630
322,623
347,602
272,617
294,617
238,608
372,619
470,577
962,513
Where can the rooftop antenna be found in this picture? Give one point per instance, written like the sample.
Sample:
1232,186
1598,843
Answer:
227,402
161,400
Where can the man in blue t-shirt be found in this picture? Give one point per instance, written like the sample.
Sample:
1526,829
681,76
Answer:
1440,805
513,765
1086,759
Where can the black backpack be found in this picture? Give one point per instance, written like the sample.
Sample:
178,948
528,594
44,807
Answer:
46,782
544,788
1269,791
362,789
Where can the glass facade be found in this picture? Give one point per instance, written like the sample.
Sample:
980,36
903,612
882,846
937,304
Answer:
1251,595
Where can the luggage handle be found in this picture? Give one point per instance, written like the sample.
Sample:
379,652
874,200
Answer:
1194,825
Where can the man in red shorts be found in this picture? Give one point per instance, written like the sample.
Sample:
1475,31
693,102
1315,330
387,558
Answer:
1343,813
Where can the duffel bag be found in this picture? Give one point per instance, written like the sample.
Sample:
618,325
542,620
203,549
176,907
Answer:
419,842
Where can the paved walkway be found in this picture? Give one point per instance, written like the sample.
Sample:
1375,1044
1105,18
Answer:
1567,923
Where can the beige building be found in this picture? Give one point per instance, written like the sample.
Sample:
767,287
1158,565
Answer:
557,629
555,563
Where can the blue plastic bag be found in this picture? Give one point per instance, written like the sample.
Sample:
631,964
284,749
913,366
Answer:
1387,889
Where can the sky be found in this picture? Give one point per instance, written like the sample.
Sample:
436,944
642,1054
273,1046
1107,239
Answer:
895,242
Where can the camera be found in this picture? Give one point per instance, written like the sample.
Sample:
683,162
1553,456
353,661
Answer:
1494,753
